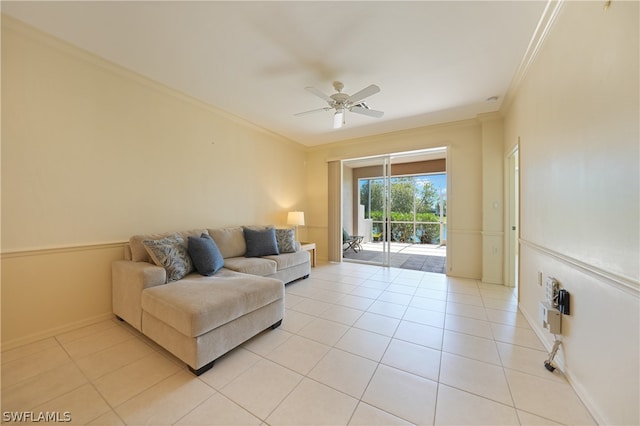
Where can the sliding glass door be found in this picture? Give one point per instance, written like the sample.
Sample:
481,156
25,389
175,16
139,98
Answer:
366,202
394,218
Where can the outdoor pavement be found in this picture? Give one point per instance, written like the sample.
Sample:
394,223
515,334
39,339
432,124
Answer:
419,257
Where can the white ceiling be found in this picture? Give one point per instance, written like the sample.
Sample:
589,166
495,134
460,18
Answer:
435,61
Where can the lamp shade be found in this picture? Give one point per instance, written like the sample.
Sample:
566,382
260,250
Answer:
295,218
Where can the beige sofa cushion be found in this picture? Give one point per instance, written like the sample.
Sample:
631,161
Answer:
252,265
288,260
197,304
230,241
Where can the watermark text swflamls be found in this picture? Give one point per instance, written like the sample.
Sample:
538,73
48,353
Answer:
35,417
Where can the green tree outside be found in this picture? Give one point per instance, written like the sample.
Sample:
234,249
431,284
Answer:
413,199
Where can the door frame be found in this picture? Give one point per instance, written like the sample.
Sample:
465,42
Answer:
512,215
335,197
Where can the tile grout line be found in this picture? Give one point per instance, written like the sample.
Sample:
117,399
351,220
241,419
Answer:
502,366
90,382
444,323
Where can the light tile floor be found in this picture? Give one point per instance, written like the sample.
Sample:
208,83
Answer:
360,345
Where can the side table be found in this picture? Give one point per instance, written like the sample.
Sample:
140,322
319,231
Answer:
311,248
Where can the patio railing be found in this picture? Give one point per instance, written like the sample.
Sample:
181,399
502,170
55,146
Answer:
412,232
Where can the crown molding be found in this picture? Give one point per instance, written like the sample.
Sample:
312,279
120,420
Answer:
548,18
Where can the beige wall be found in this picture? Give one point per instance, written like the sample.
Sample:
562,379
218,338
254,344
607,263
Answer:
464,141
91,154
577,117
492,200
46,292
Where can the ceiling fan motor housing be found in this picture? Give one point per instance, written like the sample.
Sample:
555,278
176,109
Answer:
339,98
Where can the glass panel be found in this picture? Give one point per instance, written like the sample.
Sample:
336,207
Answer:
372,195
415,213
418,212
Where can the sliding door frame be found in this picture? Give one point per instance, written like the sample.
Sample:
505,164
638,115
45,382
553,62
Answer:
335,201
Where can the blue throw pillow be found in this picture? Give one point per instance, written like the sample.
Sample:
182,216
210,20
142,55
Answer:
205,255
260,242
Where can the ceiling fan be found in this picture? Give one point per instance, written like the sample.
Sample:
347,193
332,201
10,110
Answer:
341,102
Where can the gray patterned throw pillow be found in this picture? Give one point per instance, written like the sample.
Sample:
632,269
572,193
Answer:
170,253
286,240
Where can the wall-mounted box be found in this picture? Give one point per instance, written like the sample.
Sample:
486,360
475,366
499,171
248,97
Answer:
550,317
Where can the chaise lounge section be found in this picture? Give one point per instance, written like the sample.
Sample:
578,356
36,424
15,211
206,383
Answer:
200,315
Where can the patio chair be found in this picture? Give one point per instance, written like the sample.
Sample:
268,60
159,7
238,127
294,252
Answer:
352,242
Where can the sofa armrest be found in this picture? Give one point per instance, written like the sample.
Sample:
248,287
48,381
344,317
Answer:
128,280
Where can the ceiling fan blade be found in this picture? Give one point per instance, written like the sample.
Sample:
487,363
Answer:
319,94
364,93
366,111
312,111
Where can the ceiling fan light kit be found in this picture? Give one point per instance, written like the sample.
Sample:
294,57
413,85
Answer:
338,119
341,102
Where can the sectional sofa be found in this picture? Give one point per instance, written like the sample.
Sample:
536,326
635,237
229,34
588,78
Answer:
202,292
